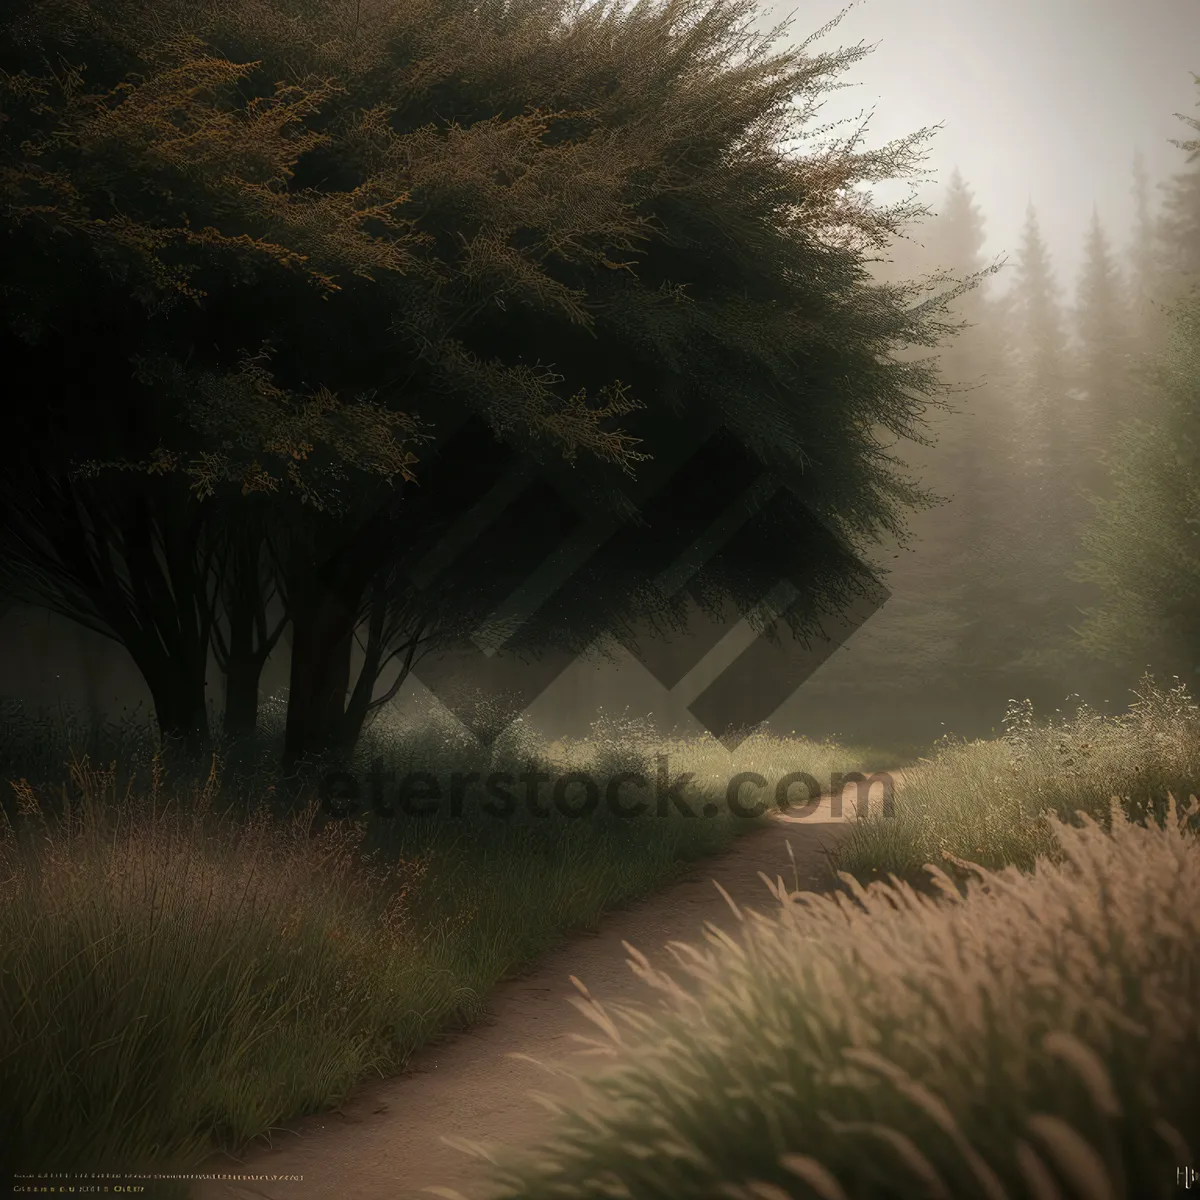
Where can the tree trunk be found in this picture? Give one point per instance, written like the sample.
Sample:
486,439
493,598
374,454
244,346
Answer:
243,656
359,703
168,628
240,720
323,625
324,605
243,652
91,672
180,707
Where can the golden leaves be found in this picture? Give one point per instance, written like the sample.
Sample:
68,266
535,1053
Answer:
268,438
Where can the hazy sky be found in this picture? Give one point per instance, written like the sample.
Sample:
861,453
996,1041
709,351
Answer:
1041,99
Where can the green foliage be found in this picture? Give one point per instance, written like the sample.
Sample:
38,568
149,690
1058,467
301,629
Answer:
1142,551
1176,248
282,245
975,463
339,194
950,625
176,188
1053,460
1103,322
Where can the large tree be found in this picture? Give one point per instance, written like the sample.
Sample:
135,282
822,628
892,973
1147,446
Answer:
1142,550
157,241
942,581
919,658
1051,508
1042,350
1145,283
1177,230
1103,320
976,457
269,247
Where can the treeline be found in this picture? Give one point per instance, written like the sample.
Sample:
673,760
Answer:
1063,557
287,285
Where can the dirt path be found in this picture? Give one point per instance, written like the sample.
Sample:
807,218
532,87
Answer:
385,1144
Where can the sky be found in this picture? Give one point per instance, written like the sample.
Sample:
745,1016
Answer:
1040,100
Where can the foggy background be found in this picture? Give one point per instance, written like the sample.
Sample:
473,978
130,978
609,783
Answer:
1040,100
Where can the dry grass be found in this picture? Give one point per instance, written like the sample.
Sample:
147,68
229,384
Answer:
618,744
170,977
183,964
992,801
1037,1037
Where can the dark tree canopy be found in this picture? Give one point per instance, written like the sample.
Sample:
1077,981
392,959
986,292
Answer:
259,254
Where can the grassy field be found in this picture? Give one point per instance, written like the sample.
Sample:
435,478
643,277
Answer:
189,958
992,802
1027,1028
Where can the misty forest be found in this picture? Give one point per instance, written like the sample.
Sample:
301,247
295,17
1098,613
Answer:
297,296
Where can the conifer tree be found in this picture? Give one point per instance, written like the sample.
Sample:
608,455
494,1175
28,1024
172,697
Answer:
1141,255
956,244
1142,551
1142,548
921,658
1104,356
1042,352
962,465
1177,231
1050,508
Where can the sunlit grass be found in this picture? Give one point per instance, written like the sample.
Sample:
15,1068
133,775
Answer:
990,801
1035,1039
708,760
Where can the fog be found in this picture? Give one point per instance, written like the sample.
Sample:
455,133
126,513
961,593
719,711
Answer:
1040,100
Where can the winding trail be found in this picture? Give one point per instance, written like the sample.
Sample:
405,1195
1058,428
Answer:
385,1143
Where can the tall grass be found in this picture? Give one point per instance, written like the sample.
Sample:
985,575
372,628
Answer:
188,958
991,802
1036,1038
